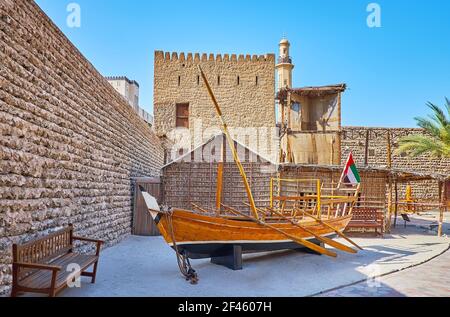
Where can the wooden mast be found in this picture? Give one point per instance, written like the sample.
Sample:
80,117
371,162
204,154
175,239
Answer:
219,187
232,146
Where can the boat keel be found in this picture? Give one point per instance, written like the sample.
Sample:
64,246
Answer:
233,259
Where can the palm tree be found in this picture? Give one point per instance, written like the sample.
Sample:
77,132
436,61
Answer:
435,141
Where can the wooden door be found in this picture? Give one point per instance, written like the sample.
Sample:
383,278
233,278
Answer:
143,224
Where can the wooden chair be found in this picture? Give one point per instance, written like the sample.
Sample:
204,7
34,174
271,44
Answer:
368,218
45,265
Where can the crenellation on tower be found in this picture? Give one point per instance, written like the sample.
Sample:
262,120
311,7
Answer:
211,57
159,55
270,57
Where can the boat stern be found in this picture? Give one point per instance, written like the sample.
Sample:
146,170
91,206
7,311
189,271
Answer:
152,205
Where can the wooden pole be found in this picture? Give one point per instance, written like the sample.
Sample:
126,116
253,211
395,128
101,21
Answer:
283,131
219,187
319,203
199,208
396,202
231,144
443,203
389,150
271,192
339,139
366,149
389,207
339,112
220,167
290,158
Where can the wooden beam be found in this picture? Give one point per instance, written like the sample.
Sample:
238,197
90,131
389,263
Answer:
366,149
231,144
339,111
396,203
219,187
389,207
199,208
389,150
442,199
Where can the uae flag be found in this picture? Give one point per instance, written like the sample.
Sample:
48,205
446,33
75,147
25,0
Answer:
350,174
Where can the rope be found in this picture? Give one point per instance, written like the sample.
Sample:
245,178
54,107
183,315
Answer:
183,261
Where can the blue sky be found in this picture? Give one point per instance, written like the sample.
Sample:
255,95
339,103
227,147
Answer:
391,71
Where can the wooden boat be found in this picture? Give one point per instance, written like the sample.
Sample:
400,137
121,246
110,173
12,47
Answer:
206,236
291,221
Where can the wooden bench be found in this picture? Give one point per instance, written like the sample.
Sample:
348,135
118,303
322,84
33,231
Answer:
367,218
46,265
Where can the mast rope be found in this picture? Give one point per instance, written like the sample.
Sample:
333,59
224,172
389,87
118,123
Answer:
182,259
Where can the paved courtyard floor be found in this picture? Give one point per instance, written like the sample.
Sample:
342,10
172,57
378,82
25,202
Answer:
146,266
431,279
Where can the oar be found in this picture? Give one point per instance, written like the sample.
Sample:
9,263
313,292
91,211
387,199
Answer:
326,240
199,208
332,228
300,241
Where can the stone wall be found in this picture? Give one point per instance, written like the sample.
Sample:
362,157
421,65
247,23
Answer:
243,85
354,139
69,142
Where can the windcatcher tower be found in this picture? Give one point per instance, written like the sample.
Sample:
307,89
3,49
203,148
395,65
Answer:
309,117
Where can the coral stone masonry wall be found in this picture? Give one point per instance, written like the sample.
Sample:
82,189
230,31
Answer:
69,143
243,85
354,139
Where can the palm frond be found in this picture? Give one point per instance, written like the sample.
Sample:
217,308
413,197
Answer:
438,115
436,141
429,126
447,105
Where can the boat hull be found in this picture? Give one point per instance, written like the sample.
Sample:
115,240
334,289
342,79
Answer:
215,250
203,236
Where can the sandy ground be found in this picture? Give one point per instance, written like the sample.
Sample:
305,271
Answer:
146,266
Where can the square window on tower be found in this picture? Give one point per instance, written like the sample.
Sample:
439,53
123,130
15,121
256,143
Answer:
182,115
